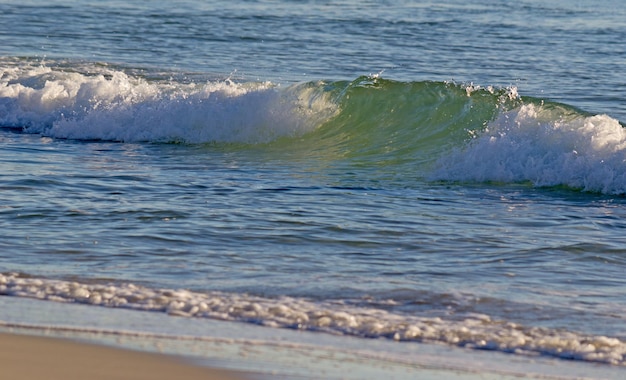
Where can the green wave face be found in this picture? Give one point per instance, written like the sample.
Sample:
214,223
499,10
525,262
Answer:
385,123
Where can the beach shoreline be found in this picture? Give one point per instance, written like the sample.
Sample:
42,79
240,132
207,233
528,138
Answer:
35,336
25,357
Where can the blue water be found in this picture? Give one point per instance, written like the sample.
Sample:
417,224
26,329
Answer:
434,172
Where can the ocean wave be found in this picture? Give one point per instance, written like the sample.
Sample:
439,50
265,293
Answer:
435,131
477,331
368,115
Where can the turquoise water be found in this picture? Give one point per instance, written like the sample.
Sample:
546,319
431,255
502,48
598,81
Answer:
446,173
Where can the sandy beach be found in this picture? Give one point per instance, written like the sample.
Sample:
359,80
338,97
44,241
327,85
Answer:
24,357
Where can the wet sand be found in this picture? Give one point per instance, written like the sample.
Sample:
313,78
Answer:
24,357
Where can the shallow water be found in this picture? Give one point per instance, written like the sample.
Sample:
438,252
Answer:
447,173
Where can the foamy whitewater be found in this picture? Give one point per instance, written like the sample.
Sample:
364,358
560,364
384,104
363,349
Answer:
434,191
110,105
547,148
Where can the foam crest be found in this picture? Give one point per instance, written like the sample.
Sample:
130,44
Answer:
544,146
476,331
111,105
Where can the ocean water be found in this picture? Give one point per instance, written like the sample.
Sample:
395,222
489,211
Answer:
407,174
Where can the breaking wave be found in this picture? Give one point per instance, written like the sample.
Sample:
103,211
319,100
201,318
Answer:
431,130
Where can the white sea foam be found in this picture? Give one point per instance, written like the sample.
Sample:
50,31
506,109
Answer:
546,147
111,105
477,331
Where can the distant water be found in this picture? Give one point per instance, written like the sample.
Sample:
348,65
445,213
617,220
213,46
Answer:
442,172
